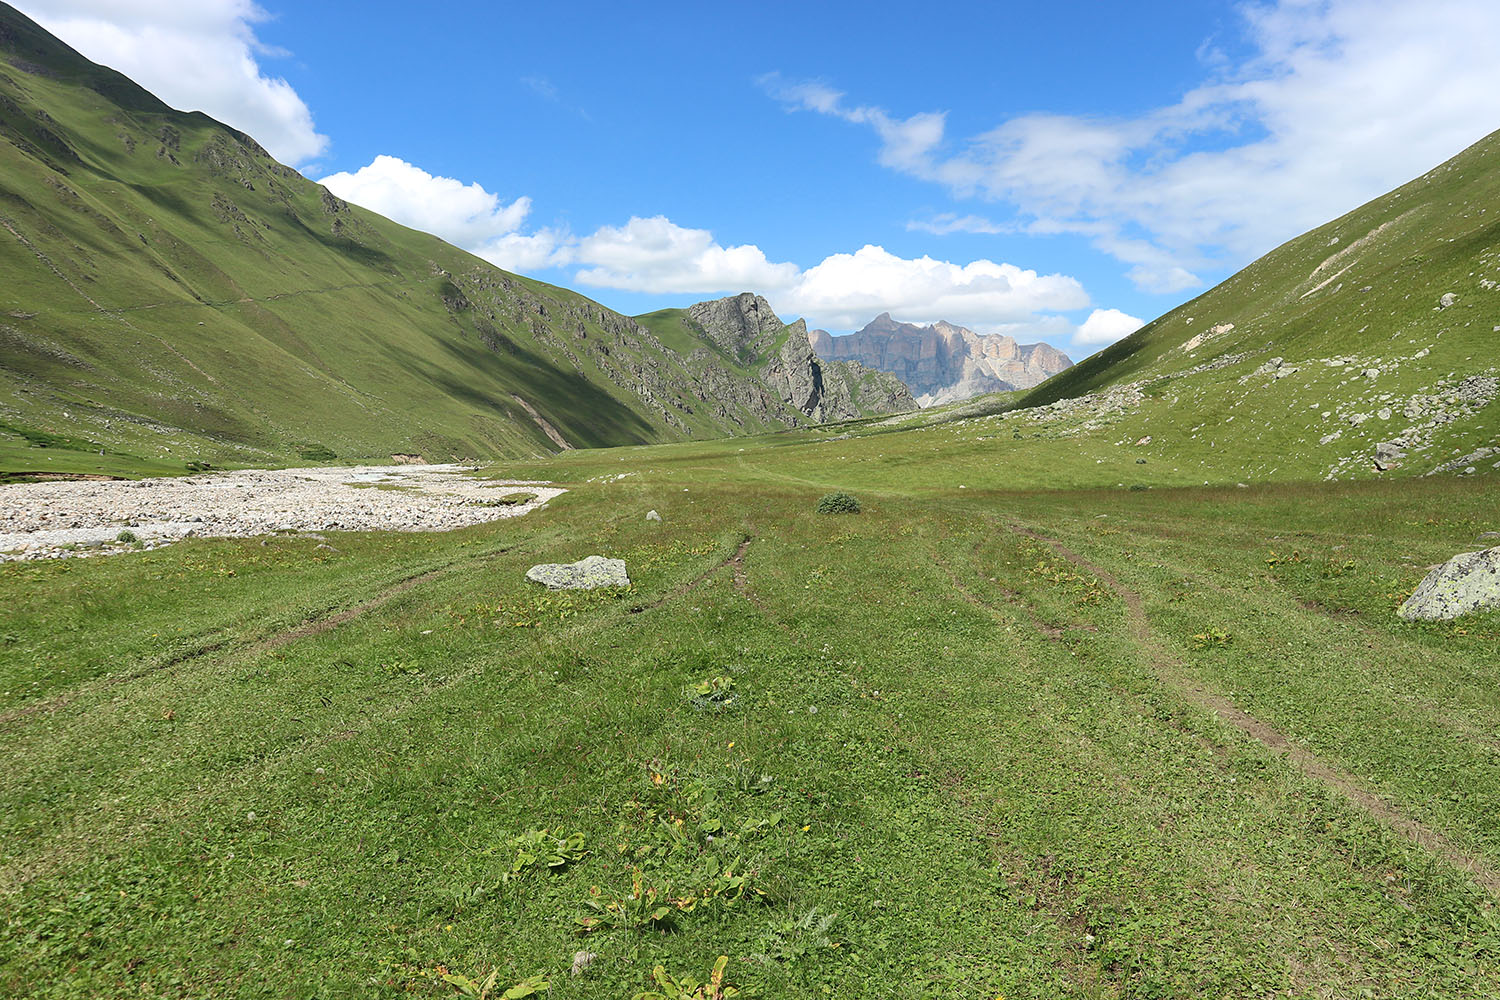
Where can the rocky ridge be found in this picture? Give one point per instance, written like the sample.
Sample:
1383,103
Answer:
812,390
943,363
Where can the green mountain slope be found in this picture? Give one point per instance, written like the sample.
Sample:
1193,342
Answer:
172,294
1379,328
747,363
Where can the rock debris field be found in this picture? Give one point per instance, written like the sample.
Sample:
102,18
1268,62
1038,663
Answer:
52,520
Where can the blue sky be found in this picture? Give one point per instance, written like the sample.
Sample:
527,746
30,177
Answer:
1056,171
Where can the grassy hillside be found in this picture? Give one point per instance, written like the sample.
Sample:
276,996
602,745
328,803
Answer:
1303,362
172,294
977,740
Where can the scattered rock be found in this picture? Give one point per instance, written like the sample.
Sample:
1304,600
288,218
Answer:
652,515
588,573
1447,300
37,519
1388,455
581,961
1466,583
1144,440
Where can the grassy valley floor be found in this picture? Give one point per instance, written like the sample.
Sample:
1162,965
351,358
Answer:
971,742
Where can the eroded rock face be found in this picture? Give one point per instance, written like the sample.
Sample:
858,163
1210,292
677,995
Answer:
748,329
587,573
1467,583
942,363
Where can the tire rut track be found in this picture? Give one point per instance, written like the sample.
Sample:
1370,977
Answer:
735,559
316,624
1168,670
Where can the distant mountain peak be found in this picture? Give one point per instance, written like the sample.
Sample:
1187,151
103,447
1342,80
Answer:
942,361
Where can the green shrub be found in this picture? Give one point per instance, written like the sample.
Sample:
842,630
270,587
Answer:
838,503
314,452
126,536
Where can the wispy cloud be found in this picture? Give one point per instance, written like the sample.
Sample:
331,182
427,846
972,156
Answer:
541,86
548,91
950,222
1339,101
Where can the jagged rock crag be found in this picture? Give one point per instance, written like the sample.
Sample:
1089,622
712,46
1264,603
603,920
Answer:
943,363
746,328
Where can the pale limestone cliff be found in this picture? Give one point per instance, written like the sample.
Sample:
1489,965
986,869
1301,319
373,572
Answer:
942,363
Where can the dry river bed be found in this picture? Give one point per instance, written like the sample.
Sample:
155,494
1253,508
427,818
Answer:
60,519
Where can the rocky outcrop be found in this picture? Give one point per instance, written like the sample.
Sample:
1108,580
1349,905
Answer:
744,325
588,573
746,329
1467,583
942,363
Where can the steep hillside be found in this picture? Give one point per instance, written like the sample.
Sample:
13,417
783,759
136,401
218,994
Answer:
748,362
943,363
1367,346
174,295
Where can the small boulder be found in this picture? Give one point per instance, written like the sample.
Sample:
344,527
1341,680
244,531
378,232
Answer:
588,573
1388,455
1447,300
652,515
1466,583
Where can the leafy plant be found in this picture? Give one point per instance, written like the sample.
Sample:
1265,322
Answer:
126,536
550,849
1212,640
838,503
528,987
749,780
689,988
789,940
716,694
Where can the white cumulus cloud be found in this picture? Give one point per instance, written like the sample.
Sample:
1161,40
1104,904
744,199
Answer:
657,255
1337,102
1105,326
200,55
847,290
463,214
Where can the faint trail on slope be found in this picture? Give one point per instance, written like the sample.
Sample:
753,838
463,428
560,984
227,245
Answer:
742,578
113,313
736,559
1168,671
315,624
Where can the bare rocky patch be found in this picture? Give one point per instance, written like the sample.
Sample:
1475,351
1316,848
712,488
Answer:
62,519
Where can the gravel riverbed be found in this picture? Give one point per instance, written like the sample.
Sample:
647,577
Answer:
51,520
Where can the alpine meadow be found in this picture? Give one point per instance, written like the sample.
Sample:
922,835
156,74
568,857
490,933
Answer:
1168,673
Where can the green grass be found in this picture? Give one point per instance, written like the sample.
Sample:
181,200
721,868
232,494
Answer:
172,293
935,758
1365,288
1062,712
